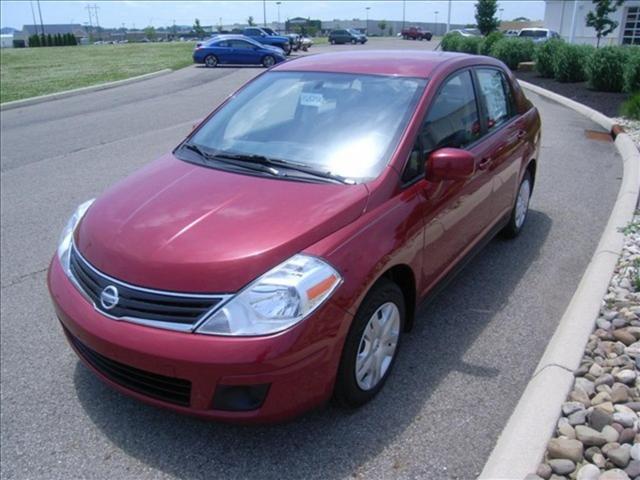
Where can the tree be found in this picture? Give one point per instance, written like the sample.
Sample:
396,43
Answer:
521,19
34,41
197,28
382,25
600,20
250,21
486,16
49,40
150,32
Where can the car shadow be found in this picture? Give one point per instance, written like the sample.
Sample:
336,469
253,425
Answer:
330,442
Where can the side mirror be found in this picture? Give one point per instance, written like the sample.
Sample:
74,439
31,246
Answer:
450,164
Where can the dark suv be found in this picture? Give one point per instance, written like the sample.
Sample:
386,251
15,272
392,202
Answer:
347,36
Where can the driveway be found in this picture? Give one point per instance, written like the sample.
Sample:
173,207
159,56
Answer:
459,374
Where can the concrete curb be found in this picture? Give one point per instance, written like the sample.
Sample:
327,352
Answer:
522,443
79,91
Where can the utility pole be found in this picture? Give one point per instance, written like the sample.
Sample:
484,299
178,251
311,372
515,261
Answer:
40,13
449,17
436,23
95,10
404,7
573,21
264,13
33,15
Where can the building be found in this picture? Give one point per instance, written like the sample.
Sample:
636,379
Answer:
52,29
6,40
569,18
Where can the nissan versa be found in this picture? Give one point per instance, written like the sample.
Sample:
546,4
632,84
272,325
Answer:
276,257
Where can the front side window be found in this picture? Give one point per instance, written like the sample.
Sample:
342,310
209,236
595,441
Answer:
452,120
240,44
253,31
494,97
343,124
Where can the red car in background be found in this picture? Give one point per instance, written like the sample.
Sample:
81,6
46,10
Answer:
276,257
416,33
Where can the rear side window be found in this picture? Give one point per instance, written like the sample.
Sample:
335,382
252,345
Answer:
494,94
452,120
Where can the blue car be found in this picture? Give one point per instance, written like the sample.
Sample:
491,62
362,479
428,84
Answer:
236,50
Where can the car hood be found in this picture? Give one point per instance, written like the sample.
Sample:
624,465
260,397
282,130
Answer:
272,48
188,228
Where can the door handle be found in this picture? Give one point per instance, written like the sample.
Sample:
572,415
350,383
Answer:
484,163
521,134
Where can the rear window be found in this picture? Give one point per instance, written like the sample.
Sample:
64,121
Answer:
533,33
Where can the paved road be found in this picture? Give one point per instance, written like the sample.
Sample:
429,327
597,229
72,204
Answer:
458,377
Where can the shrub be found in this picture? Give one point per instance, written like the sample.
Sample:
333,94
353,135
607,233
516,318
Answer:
469,45
450,41
604,69
570,61
512,51
631,72
545,55
489,41
631,108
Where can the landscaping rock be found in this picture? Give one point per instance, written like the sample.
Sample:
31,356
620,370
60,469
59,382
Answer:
565,448
635,451
619,394
606,379
562,466
569,407
633,469
598,419
620,456
588,436
588,472
578,418
544,471
615,474
626,376
568,431
626,436
623,418
610,433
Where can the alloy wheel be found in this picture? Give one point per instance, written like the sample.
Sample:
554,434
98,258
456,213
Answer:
522,203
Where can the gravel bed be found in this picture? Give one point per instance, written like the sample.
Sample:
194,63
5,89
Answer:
632,127
597,436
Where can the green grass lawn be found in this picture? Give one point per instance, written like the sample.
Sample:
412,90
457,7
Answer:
28,72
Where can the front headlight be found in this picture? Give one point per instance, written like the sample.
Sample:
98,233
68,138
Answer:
277,300
66,237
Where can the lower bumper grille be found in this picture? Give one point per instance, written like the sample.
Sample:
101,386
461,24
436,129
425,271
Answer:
167,389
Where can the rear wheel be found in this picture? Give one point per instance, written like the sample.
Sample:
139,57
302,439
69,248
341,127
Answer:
520,209
371,346
211,61
268,61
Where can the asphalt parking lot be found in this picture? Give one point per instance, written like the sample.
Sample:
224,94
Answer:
459,374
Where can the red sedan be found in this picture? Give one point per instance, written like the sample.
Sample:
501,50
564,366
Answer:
276,257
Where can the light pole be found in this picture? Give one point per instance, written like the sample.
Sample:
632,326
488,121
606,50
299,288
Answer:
264,13
278,4
436,23
449,17
404,6
366,28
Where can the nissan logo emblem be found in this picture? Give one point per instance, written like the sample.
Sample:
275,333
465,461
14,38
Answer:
109,297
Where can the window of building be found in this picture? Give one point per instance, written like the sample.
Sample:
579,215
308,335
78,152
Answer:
631,27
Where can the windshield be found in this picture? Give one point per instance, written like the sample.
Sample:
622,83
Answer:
533,33
355,32
343,124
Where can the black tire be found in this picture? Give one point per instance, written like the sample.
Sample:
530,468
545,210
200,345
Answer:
210,61
347,391
514,227
332,41
268,61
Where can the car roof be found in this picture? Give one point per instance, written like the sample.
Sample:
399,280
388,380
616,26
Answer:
232,36
402,63
535,28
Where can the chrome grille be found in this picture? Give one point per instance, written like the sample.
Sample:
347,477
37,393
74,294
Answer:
176,311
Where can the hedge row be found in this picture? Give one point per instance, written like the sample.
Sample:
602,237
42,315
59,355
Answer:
609,69
57,40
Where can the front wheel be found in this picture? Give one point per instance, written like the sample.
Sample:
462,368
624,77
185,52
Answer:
268,61
520,209
371,346
353,41
211,61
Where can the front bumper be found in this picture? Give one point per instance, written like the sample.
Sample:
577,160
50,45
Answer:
298,365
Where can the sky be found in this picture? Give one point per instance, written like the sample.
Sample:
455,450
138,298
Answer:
139,14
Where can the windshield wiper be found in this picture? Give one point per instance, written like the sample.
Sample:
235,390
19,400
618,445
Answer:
267,161
210,156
